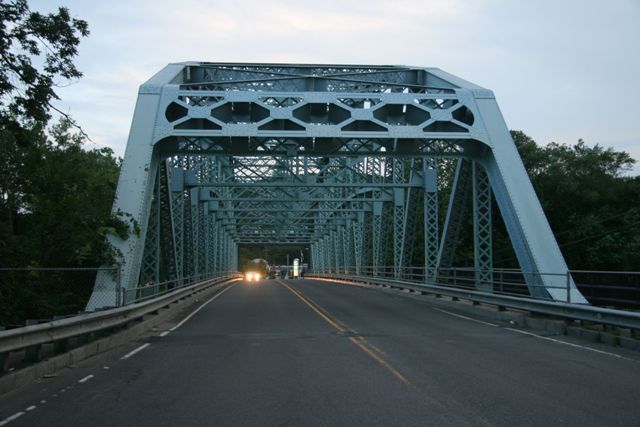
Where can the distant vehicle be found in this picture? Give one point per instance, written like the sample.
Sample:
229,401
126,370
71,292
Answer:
252,276
256,270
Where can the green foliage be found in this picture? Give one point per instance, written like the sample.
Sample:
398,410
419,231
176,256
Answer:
55,212
35,51
55,196
592,206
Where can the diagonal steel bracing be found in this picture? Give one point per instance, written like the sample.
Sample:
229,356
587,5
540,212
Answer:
342,159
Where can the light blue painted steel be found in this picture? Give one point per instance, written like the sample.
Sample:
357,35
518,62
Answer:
310,138
482,229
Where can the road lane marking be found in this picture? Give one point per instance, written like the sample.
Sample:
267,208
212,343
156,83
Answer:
131,353
165,333
198,309
315,307
362,345
359,341
464,317
30,408
570,344
11,418
85,379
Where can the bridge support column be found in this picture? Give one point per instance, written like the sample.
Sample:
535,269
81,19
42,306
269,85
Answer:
133,197
150,265
533,241
453,222
430,218
482,230
398,217
177,216
358,227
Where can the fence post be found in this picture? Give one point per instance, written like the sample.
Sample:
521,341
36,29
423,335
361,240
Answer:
568,283
119,293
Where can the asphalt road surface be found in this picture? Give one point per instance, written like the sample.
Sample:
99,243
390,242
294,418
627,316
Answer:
314,353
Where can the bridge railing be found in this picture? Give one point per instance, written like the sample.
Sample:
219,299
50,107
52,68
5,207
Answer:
30,339
33,295
151,290
597,315
614,289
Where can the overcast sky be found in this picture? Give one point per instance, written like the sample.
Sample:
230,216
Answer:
561,69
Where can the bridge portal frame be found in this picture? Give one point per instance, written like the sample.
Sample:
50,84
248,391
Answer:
201,131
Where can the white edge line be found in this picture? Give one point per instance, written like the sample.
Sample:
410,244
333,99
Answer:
182,322
11,418
570,344
165,333
465,317
85,379
131,353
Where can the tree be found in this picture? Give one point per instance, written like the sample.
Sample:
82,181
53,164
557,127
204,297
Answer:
592,206
35,51
36,55
55,196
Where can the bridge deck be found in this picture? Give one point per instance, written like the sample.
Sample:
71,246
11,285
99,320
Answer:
316,353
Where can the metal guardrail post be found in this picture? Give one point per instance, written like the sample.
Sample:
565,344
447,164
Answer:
32,353
4,357
119,293
568,285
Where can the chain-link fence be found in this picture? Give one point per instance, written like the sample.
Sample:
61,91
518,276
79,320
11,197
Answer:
32,295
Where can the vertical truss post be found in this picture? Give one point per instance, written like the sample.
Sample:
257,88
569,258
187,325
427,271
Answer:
314,258
219,247
482,230
339,252
430,217
410,226
455,217
177,215
213,227
321,255
367,236
202,238
227,252
167,226
207,237
334,251
358,247
195,230
347,246
189,267
325,254
378,231
150,268
398,216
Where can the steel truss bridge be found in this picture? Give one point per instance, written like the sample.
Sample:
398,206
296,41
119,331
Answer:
344,159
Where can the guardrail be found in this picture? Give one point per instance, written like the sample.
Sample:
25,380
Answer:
59,330
611,289
599,315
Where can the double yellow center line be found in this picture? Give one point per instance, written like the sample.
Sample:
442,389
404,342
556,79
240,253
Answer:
358,340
